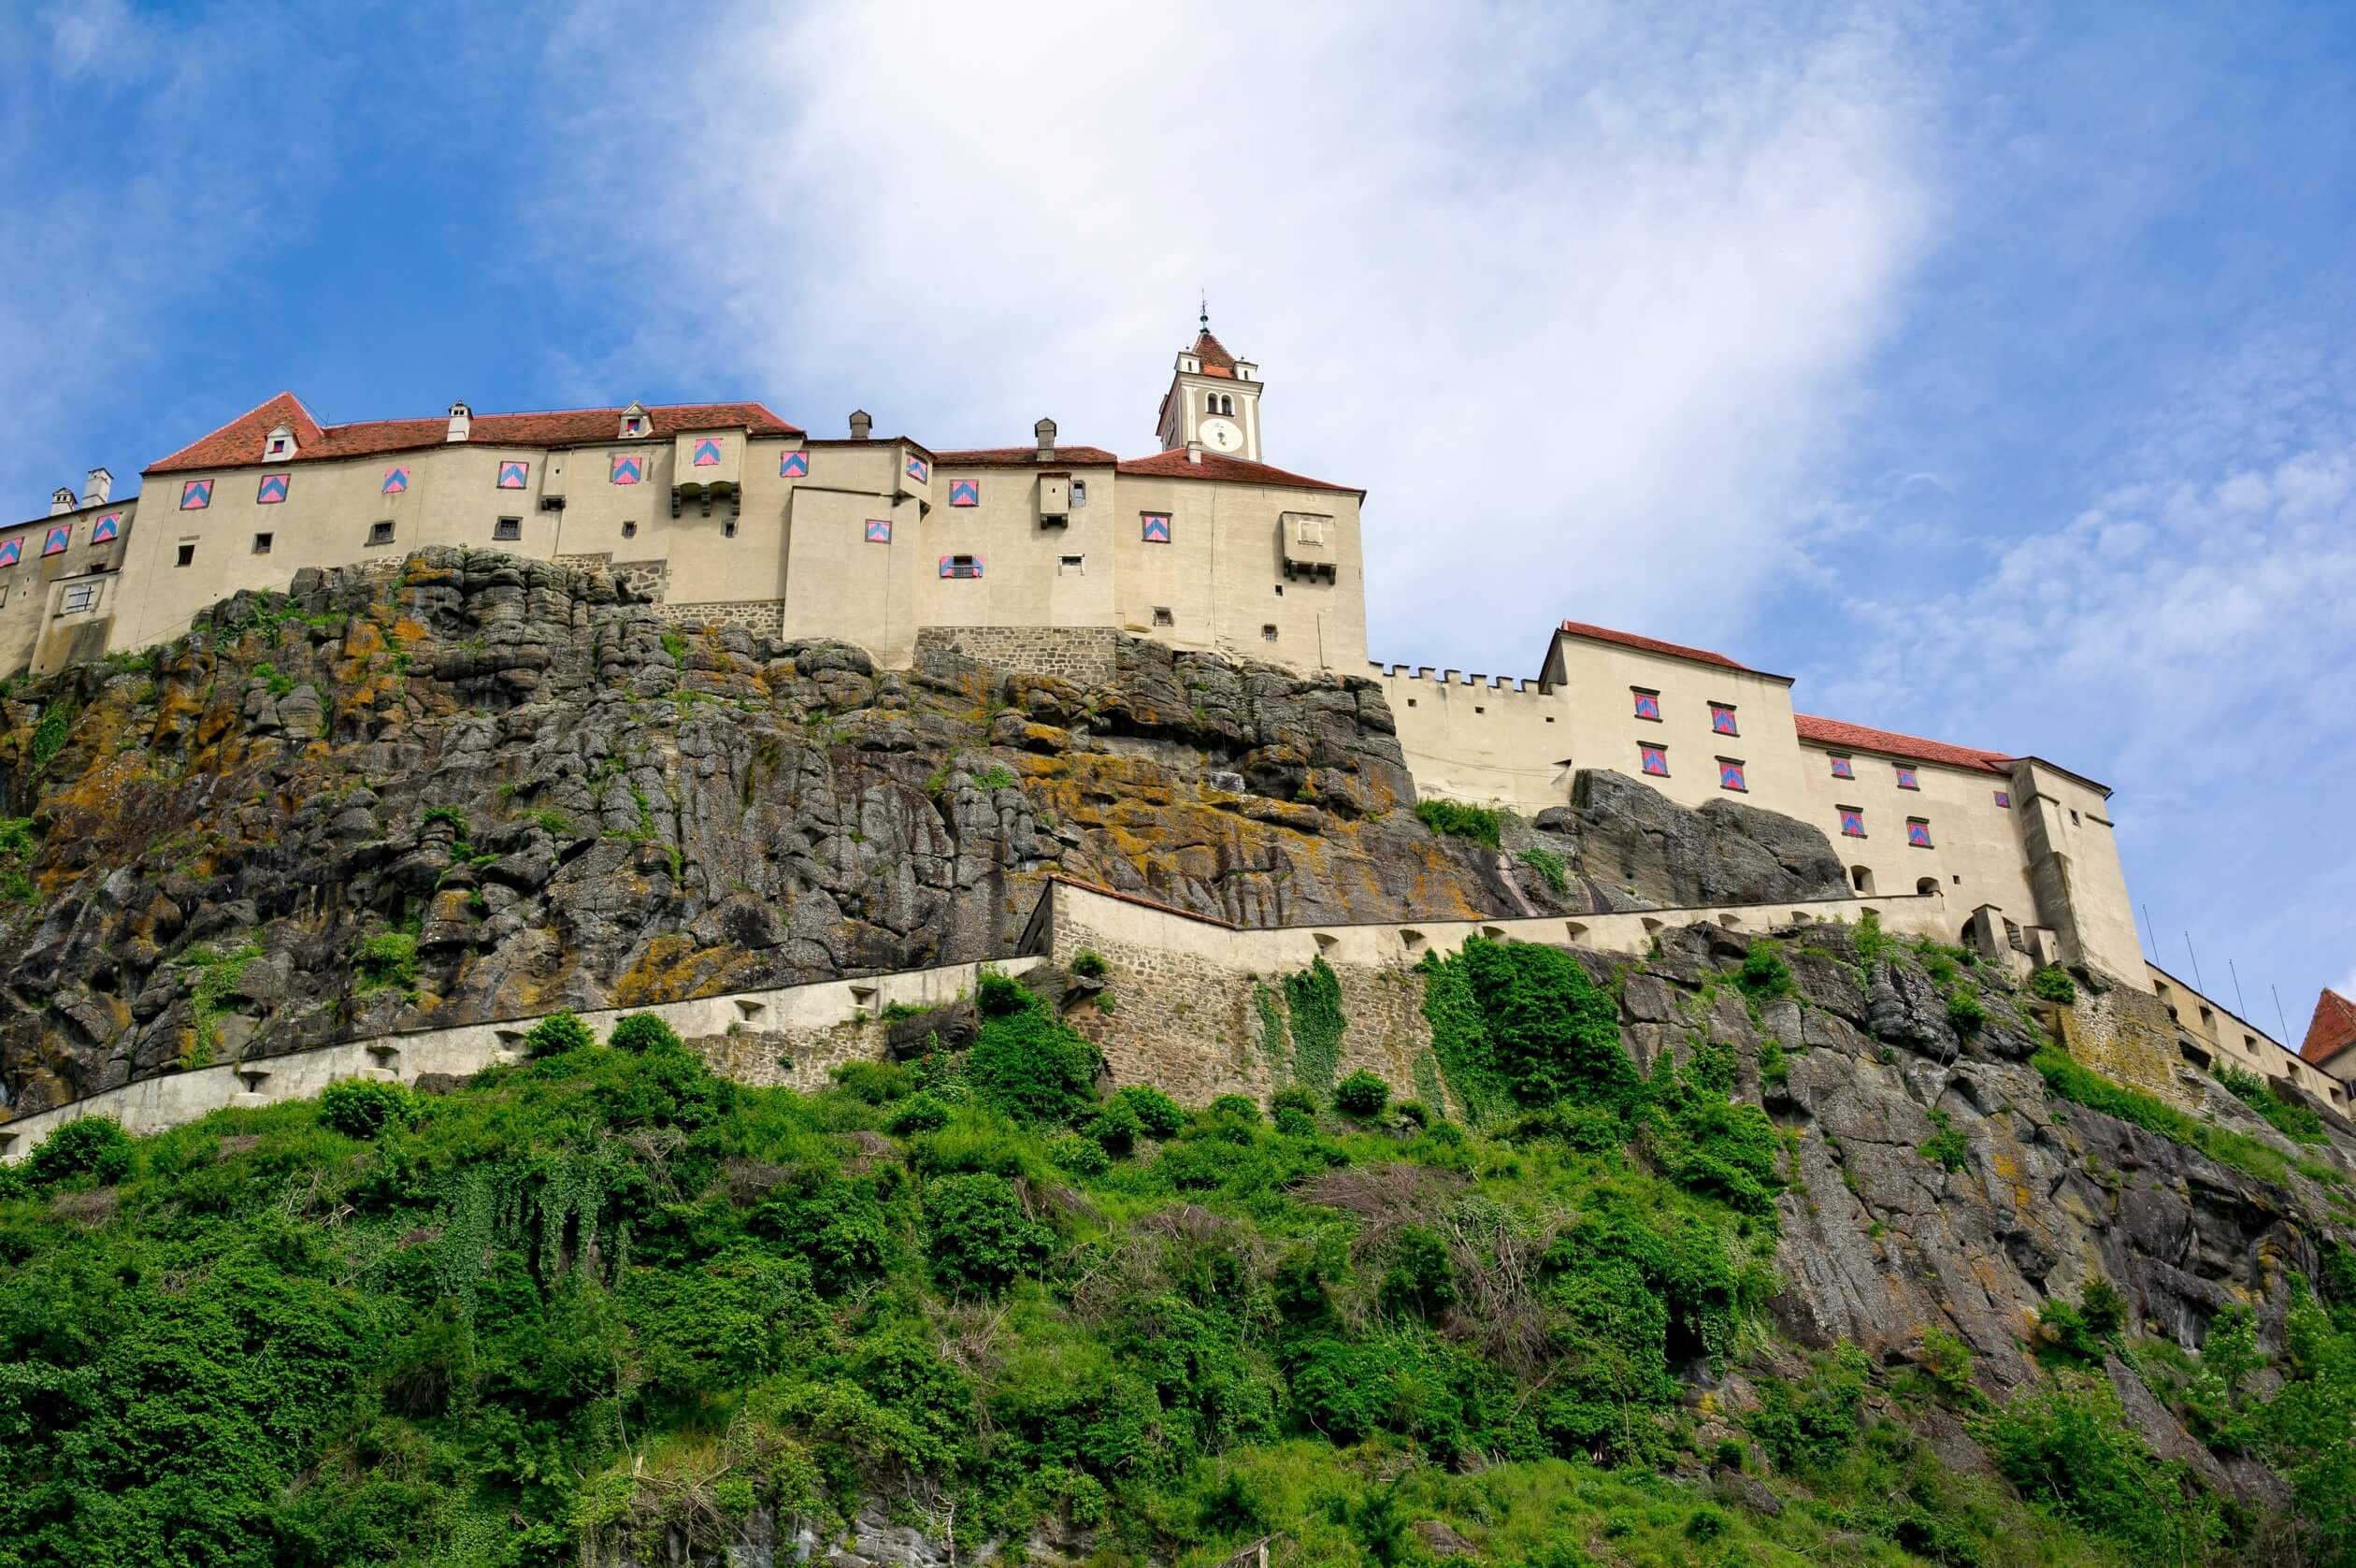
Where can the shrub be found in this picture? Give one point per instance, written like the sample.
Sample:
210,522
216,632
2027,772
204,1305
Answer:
1293,1096
1361,1095
1549,867
558,1033
363,1107
1089,964
94,1146
1763,975
1811,1425
1419,1277
1114,1128
1295,1123
2073,1449
1476,822
1027,1061
977,1237
2053,984
1233,1108
1081,1157
2080,1334
1963,1011
386,958
641,1032
923,1113
1542,1030
2292,1118
1949,1146
1156,1112
1414,1113
872,1082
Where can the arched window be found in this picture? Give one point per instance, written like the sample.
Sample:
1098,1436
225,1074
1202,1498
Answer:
1862,878
1925,886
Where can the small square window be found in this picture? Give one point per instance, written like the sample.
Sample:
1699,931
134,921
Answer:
507,527
187,555
1075,565
78,598
1843,768
1653,759
629,530
1154,526
261,544
1268,631
1852,822
1917,833
1162,617
1730,775
1647,703
727,529
1906,779
1079,491
961,566
1722,719
381,533
2004,799
1280,590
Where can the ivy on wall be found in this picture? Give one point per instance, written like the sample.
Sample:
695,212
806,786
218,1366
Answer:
1313,996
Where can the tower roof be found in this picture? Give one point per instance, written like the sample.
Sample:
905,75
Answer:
2332,1031
1216,360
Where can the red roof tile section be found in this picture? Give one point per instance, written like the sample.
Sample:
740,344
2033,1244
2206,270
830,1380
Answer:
1833,732
1177,464
1212,353
2332,1031
1024,457
1654,646
238,444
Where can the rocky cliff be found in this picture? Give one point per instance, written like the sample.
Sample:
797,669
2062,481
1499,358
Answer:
480,787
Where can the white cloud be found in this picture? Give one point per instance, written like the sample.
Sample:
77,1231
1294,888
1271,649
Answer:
1575,293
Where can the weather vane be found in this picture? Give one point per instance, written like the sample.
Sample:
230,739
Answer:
1205,317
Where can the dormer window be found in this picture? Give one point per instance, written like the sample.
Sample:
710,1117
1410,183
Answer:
635,422
279,443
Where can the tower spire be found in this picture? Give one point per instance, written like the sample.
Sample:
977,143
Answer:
1205,317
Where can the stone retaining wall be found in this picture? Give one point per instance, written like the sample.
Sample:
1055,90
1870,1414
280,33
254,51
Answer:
766,616
1085,655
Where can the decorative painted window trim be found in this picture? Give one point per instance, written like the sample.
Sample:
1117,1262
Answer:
11,552
793,465
1647,703
2003,799
879,530
964,491
1154,526
961,566
272,489
706,455
1731,774
1906,779
197,495
1722,719
56,540
1843,768
919,470
106,528
628,467
1917,833
396,482
1852,821
1652,760
514,474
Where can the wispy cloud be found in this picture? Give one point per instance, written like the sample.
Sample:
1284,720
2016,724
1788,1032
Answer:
1568,289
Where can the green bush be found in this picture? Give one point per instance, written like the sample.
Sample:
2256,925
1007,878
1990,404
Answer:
1414,1113
2064,1076
1089,964
1549,867
2292,1118
1533,1028
977,1237
1361,1095
1232,1108
641,1032
1949,1146
1293,1096
1810,1425
1025,1061
1293,1122
388,958
1156,1112
1114,1128
557,1033
363,1107
2072,1447
93,1147
872,1082
1479,823
919,1113
1963,1011
1764,977
1419,1277
1081,1157
2052,983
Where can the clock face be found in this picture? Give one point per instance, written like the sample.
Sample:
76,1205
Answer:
1221,435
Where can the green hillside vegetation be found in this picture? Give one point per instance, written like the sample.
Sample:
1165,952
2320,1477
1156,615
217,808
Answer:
603,1298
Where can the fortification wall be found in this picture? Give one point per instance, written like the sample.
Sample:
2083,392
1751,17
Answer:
1085,656
1480,738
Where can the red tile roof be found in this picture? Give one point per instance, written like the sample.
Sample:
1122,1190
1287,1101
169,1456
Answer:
2332,1031
1176,465
1833,732
1654,646
1024,457
238,444
1212,353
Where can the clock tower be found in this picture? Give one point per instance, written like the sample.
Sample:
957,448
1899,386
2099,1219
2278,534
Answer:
1214,400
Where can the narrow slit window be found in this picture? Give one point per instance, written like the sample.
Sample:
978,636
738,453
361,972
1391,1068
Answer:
1074,565
1268,631
629,530
187,555
1653,759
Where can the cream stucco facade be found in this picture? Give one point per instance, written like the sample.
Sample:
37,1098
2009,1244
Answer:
726,512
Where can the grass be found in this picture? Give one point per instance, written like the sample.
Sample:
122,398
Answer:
1457,820
2069,1079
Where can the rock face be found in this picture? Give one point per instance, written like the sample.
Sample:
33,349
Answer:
481,787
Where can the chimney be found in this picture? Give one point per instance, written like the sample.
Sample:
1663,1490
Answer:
1045,431
861,423
61,501
98,487
461,421
1193,452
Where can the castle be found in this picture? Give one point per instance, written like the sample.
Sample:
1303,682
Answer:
728,513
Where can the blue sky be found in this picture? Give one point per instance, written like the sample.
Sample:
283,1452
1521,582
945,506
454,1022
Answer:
1986,367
